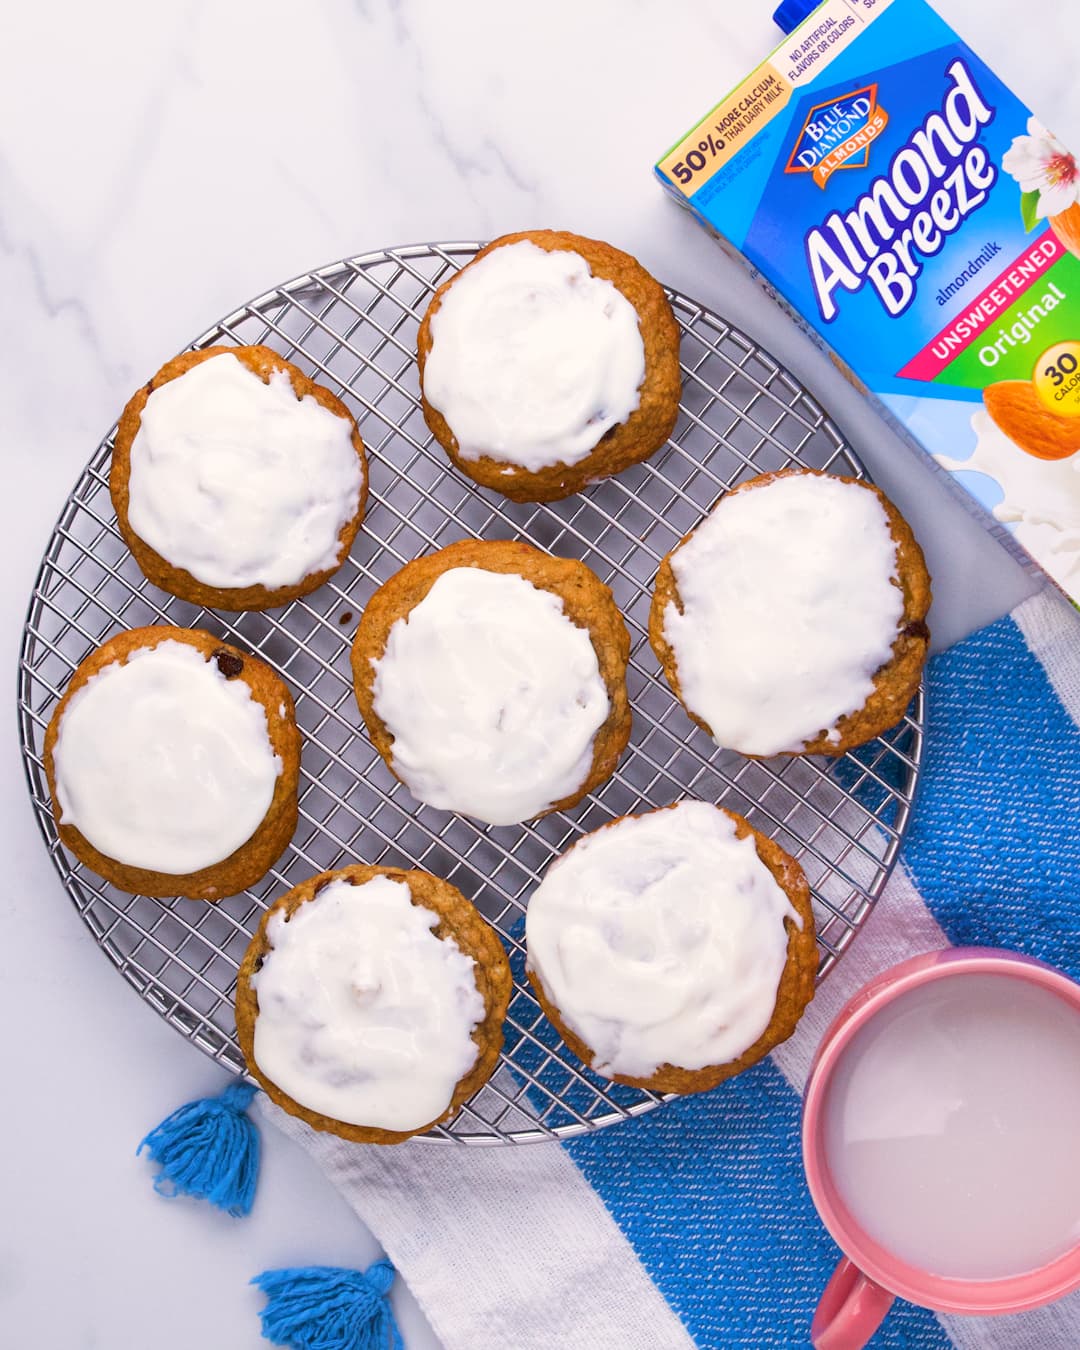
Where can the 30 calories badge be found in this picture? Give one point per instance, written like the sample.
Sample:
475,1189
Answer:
1057,379
837,135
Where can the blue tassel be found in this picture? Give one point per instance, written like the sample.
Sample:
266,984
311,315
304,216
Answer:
326,1308
209,1149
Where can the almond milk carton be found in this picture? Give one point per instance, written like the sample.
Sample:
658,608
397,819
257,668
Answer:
925,227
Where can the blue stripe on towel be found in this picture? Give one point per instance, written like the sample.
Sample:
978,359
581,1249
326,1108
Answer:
994,844
710,1193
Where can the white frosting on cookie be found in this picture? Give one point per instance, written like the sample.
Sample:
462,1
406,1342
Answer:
163,763
493,697
364,1014
240,482
661,940
789,608
533,358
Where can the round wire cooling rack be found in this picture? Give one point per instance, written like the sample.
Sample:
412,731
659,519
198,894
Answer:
352,326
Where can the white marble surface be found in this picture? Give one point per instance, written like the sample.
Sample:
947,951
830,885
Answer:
158,165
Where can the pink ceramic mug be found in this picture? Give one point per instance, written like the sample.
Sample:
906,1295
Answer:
870,1277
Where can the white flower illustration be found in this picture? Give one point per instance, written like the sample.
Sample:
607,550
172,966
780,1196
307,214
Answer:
1040,163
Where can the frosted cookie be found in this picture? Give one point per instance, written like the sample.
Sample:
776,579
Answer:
674,949
492,679
547,363
793,618
173,761
237,482
370,1002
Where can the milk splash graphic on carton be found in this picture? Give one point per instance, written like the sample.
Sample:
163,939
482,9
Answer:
922,224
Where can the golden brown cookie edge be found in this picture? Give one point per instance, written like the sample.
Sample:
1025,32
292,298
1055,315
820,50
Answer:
895,684
252,860
264,362
586,600
629,443
793,994
458,918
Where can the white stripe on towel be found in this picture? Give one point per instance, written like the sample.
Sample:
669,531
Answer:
1051,629
504,1246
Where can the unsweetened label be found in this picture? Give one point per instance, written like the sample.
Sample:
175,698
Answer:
925,226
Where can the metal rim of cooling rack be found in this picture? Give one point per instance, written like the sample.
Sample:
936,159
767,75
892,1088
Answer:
519,1095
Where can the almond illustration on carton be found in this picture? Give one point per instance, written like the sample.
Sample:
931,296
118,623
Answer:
1066,225
1016,409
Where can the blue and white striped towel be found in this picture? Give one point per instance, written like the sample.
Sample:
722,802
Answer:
693,1225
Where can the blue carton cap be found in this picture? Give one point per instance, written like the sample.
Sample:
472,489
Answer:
791,13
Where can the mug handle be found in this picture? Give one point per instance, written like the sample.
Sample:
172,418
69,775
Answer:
850,1311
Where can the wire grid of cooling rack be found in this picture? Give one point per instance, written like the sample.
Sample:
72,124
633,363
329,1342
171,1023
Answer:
352,326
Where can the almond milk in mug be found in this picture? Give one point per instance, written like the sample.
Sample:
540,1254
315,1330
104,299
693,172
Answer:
939,1140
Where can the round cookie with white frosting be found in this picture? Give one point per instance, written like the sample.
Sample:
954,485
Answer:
674,949
370,1002
237,482
173,760
548,362
792,620
492,679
